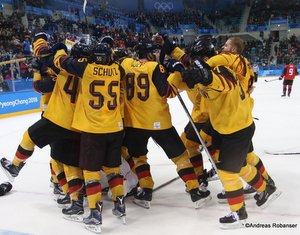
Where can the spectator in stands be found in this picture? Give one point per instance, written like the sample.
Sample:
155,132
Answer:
3,84
26,47
182,43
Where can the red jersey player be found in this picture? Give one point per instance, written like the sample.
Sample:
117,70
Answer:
289,73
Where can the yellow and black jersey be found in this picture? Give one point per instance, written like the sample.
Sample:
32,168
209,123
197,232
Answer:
200,110
98,108
61,106
43,82
229,110
145,98
45,96
237,63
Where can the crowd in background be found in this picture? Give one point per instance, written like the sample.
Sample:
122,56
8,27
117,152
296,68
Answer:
16,39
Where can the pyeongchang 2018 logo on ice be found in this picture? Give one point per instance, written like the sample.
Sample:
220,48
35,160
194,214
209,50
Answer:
17,102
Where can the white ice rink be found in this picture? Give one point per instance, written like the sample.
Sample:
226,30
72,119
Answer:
30,209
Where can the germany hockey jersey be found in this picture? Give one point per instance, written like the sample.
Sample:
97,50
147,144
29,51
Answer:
98,108
146,92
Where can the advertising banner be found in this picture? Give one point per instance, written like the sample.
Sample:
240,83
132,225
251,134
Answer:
12,102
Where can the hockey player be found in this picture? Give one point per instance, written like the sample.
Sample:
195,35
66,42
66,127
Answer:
288,76
64,153
231,57
98,116
54,127
43,83
233,128
200,118
146,114
199,115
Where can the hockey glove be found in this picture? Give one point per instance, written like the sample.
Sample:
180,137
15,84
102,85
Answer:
58,46
168,47
280,78
198,72
36,65
159,38
174,65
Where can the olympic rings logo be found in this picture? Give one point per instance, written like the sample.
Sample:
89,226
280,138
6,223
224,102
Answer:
163,6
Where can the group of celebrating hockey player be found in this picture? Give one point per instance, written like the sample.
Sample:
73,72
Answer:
102,107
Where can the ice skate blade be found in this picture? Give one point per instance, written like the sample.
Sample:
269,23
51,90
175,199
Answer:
61,206
93,228
200,203
120,216
8,175
55,197
272,198
123,219
75,218
235,225
222,201
141,203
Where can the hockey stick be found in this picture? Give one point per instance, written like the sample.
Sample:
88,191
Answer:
203,147
281,153
272,80
166,184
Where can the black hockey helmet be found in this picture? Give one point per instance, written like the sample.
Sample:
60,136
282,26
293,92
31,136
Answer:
107,39
101,53
80,50
144,48
203,47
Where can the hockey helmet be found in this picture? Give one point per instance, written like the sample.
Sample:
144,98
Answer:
101,53
109,40
144,48
80,50
203,47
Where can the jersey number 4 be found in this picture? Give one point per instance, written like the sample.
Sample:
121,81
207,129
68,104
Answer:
71,87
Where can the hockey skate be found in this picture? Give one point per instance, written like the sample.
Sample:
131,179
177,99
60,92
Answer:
9,169
119,209
222,197
5,188
264,198
235,219
132,192
199,198
63,201
143,198
94,220
74,212
57,191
